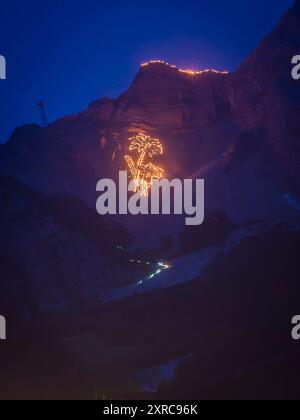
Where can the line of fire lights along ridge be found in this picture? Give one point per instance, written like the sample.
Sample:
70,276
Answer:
188,72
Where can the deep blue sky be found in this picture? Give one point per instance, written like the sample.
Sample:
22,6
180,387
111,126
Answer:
69,53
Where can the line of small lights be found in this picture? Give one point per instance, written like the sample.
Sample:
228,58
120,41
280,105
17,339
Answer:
142,172
189,72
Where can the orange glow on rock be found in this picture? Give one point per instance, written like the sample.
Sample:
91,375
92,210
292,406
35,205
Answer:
142,172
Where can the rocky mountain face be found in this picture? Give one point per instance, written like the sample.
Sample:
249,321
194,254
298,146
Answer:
240,132
55,252
197,117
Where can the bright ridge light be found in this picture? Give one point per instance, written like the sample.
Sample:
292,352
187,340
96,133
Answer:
189,72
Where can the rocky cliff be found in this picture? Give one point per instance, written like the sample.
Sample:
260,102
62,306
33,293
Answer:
240,132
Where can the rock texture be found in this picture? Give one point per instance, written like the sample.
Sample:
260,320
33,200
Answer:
196,117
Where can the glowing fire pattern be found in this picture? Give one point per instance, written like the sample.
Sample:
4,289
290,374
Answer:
189,72
160,268
142,172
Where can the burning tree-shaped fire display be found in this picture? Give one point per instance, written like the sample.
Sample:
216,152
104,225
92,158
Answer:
141,171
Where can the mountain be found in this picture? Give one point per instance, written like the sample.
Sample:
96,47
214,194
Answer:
94,282
198,117
186,112
230,327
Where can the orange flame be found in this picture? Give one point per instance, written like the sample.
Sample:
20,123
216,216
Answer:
142,172
189,72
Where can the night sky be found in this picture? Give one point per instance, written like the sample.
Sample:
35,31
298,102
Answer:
69,53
